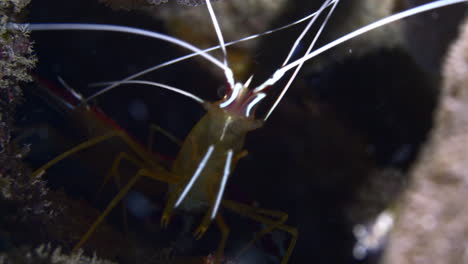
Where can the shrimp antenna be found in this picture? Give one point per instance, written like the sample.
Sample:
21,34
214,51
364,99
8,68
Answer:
160,85
122,29
298,68
304,32
379,23
219,34
72,91
278,74
188,56
270,82
229,74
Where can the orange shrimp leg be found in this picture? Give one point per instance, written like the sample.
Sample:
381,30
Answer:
281,216
152,130
87,144
92,142
120,196
223,227
258,215
157,172
155,129
113,171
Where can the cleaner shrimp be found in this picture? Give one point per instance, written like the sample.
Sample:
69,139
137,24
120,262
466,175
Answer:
191,167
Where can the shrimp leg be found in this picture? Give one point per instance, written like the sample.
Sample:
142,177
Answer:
119,197
90,143
223,227
113,171
281,216
257,214
155,129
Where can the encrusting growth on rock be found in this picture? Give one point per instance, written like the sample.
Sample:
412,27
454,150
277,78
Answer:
432,219
26,202
44,254
16,59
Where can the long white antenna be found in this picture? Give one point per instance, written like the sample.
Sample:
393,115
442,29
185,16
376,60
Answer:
218,31
122,29
379,23
306,29
291,79
278,74
160,85
270,82
76,94
229,74
164,64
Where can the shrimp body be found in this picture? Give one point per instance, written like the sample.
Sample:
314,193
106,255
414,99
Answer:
221,129
210,152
